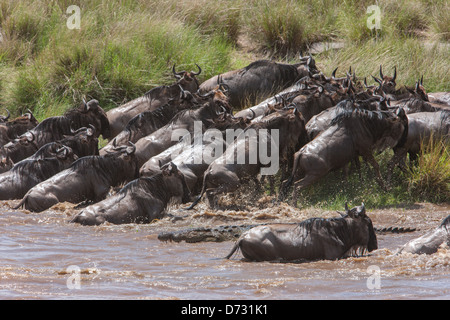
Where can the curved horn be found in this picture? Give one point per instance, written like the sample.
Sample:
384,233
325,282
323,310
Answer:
131,149
377,80
199,71
333,74
176,74
346,208
421,80
395,73
381,72
7,117
90,132
253,115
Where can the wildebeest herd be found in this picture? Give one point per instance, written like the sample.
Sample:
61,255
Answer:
323,124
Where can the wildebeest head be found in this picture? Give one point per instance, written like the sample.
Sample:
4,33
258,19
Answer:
90,113
66,154
5,163
387,83
419,90
83,141
21,124
187,80
364,233
21,147
174,179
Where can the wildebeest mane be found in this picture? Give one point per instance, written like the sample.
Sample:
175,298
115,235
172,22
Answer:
38,169
336,225
109,166
371,118
158,117
152,185
57,124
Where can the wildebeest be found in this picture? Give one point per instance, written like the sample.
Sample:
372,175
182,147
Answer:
185,120
312,239
422,127
430,242
352,134
320,122
387,83
242,161
259,80
147,122
140,201
152,99
193,160
56,128
26,174
88,178
10,130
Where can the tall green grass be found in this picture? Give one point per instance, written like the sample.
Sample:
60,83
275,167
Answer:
429,178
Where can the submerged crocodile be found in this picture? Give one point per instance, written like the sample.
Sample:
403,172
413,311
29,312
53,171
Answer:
233,232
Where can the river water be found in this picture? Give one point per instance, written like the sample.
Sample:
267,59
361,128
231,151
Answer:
44,257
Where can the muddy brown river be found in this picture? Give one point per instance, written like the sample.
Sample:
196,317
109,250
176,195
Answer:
44,257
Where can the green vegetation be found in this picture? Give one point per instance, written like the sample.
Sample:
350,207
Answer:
126,47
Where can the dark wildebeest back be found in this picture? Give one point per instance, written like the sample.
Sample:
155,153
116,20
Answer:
26,174
258,81
88,178
140,201
151,100
430,242
312,239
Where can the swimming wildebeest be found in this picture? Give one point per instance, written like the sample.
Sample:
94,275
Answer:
312,239
140,201
26,174
88,178
243,160
152,99
352,134
259,80
430,242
